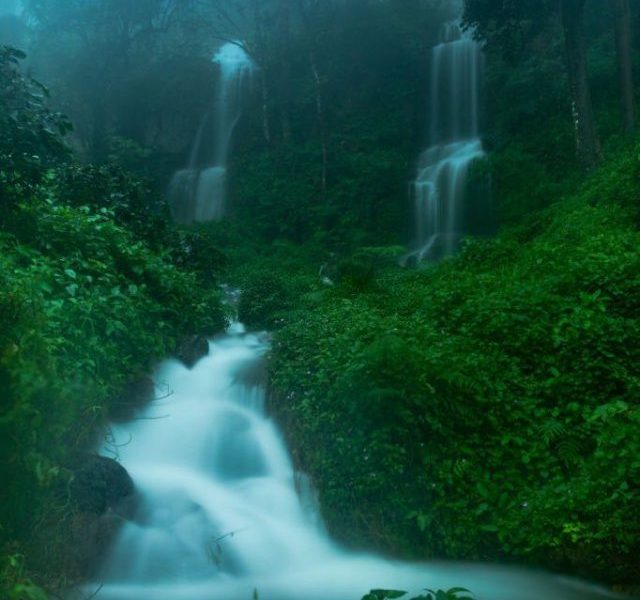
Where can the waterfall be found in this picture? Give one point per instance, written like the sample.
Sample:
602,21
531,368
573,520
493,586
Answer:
222,515
440,187
198,193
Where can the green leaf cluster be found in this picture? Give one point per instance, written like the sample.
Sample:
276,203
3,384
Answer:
31,132
95,288
84,307
485,407
455,593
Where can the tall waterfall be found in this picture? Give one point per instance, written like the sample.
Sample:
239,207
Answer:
198,193
440,188
222,515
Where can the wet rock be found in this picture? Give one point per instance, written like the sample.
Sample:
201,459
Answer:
191,349
139,392
103,498
90,538
102,485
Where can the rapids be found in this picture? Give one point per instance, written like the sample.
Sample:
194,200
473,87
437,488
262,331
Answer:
222,514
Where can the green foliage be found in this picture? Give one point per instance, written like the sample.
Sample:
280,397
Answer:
264,299
384,594
84,307
30,131
529,131
510,26
127,153
88,300
487,406
129,199
197,250
451,594
15,583
274,285
280,192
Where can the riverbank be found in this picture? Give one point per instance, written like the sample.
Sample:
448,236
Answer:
484,408
85,311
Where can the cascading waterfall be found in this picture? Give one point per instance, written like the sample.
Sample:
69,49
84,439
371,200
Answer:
198,193
440,188
221,514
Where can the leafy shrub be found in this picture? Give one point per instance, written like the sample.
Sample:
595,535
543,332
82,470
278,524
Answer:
31,132
274,286
95,286
451,594
127,197
486,406
84,307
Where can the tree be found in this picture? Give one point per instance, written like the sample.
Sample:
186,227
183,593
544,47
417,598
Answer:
314,16
89,52
625,70
512,25
31,139
587,141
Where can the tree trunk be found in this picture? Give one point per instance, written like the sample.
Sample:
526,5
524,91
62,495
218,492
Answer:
265,69
625,70
587,142
312,34
285,69
99,132
266,127
322,122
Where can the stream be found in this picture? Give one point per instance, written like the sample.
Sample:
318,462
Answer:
222,514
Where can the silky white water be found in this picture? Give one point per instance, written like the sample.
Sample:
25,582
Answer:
198,193
220,515
440,187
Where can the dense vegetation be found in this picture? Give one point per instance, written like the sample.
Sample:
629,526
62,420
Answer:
484,407
491,401
87,303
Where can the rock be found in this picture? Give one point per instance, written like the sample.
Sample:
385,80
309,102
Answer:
90,538
102,485
135,395
103,498
191,349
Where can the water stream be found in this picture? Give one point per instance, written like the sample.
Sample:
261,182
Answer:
440,187
198,192
223,516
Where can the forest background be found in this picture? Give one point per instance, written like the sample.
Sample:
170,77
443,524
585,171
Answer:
485,407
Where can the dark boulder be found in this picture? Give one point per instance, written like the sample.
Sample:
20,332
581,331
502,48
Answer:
101,485
191,349
139,392
103,498
90,537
